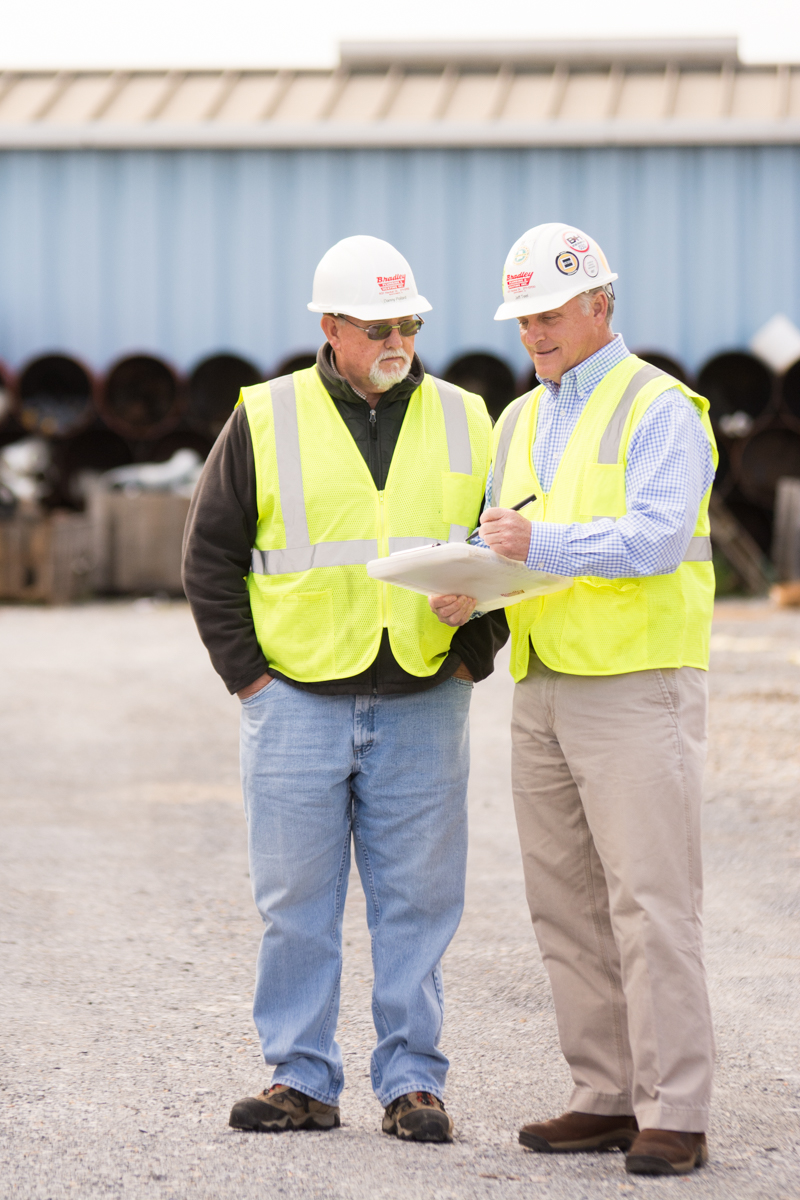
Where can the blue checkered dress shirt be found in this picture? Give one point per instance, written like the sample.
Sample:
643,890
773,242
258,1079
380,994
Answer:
669,469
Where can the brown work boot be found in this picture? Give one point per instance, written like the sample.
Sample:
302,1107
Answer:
280,1108
418,1117
666,1152
574,1131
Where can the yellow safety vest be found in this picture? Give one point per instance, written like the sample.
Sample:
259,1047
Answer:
317,613
604,626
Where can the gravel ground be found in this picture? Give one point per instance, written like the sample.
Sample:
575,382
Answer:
129,938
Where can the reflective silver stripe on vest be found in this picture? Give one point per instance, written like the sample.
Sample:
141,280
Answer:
612,436
323,554
409,543
300,555
459,448
699,550
504,445
290,472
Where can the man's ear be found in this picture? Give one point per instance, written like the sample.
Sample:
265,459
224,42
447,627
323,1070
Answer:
330,328
600,306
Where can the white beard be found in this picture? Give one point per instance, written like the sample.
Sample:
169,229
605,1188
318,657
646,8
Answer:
383,380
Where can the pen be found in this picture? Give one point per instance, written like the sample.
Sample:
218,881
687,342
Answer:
514,508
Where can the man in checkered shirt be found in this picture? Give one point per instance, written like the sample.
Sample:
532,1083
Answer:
609,724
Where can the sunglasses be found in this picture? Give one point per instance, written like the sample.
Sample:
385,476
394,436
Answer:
379,333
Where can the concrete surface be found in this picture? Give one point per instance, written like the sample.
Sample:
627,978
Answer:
129,937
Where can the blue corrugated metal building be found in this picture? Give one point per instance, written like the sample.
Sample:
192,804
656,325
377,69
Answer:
184,213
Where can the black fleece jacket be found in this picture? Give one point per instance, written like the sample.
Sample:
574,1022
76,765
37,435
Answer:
221,530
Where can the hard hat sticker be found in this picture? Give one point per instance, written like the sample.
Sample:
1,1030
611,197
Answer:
576,241
517,283
391,283
567,262
521,255
590,266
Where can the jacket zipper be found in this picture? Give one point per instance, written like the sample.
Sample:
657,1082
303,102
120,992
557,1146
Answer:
374,447
383,550
383,545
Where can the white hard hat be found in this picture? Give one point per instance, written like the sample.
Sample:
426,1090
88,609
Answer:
549,265
366,278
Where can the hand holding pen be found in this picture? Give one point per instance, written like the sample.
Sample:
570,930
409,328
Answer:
514,508
505,531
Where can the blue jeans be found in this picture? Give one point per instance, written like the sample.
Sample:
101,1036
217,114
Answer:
390,773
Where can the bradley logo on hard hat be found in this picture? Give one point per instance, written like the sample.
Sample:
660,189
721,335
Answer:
391,283
515,283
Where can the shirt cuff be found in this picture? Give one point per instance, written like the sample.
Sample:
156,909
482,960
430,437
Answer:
547,550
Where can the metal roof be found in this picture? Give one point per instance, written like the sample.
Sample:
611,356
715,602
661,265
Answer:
558,93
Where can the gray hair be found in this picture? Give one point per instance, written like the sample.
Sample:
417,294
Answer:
586,300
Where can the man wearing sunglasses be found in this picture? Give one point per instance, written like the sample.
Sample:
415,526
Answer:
354,696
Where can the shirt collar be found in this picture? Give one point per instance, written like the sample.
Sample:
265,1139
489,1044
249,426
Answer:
587,374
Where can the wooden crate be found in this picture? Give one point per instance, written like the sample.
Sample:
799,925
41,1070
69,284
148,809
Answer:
786,530
137,541
45,558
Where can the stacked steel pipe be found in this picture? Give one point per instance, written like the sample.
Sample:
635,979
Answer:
141,410
756,416
144,410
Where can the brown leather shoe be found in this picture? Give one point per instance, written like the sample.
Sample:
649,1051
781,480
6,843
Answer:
666,1152
574,1131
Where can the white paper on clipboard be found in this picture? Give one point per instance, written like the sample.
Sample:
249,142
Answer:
456,568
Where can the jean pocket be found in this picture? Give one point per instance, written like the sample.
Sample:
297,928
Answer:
248,700
468,683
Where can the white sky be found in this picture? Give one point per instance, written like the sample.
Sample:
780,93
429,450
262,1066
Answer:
249,33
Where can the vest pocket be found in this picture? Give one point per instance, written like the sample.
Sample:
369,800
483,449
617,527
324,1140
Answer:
609,585
605,627
603,490
296,631
461,498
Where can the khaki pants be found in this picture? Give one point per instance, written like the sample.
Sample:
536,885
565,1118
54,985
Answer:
607,774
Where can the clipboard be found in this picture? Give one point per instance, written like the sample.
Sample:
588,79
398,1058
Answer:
456,568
